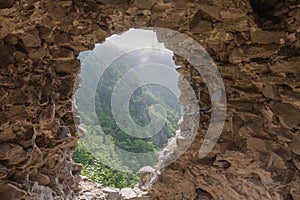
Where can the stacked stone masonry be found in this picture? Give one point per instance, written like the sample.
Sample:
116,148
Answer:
254,43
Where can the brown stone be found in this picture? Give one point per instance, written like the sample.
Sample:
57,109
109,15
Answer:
66,67
31,39
279,163
144,4
287,113
257,144
295,145
17,112
266,37
6,27
6,4
3,171
9,191
254,45
11,39
13,154
6,54
268,91
62,54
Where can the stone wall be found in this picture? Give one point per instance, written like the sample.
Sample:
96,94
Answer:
255,45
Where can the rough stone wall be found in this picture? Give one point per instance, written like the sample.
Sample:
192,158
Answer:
39,44
255,45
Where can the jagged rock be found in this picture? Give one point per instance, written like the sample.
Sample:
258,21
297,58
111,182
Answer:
128,193
268,91
9,191
11,39
90,190
287,118
255,45
3,171
266,37
146,173
13,154
5,55
144,4
279,163
297,163
41,192
7,4
257,144
112,193
295,145
31,39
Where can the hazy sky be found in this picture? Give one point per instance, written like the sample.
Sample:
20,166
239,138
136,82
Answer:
135,38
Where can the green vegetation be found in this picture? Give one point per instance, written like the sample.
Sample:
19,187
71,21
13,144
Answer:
99,150
100,173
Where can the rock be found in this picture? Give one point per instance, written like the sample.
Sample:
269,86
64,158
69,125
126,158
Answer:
37,54
279,163
232,14
6,53
11,39
144,4
47,114
239,55
295,188
256,144
296,163
42,178
41,192
128,193
13,154
236,56
286,66
66,67
112,193
268,91
295,146
31,39
146,173
6,27
287,118
266,37
62,54
3,171
90,190
9,191
110,1
255,46
7,4
206,13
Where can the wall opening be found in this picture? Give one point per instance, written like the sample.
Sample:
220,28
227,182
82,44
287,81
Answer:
115,145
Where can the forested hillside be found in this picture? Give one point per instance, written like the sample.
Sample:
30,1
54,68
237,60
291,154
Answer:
99,151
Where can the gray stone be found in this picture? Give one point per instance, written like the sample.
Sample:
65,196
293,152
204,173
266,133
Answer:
128,193
112,193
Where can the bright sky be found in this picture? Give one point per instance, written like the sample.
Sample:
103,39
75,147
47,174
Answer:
136,38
